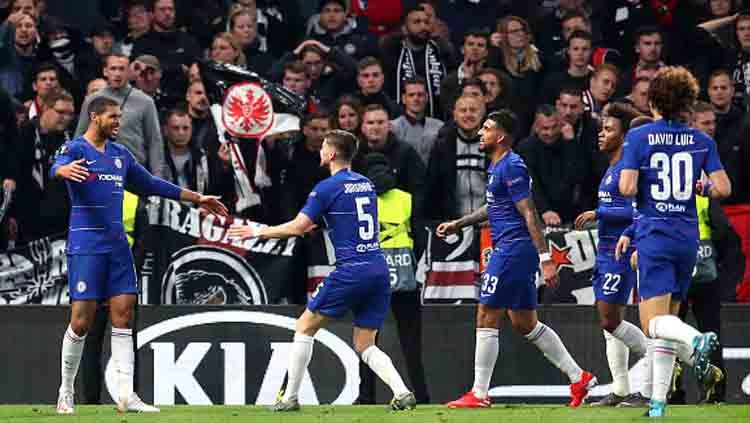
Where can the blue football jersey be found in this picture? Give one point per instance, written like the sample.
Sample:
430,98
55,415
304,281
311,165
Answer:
669,157
347,204
96,224
614,212
509,182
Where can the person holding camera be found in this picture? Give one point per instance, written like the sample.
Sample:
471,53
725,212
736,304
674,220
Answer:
146,75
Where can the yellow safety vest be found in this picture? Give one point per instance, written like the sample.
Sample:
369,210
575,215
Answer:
129,206
394,216
701,206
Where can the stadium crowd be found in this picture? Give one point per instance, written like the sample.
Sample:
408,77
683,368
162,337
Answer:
413,79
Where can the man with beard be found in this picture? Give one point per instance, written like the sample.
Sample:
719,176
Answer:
508,283
415,53
45,82
456,173
100,264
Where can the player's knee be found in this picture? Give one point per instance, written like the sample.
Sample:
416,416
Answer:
523,327
80,325
609,323
122,319
361,346
487,318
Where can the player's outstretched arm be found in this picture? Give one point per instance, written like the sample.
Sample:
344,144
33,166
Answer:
147,184
473,218
209,203
527,209
296,227
628,182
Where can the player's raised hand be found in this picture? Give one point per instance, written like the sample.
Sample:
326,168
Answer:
242,232
622,245
585,218
73,171
446,228
549,273
213,205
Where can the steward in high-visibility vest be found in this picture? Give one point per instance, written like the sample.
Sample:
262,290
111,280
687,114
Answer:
129,207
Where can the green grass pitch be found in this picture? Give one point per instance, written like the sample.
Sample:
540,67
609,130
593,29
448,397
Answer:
375,414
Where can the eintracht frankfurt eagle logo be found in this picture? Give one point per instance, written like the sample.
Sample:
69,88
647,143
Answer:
247,111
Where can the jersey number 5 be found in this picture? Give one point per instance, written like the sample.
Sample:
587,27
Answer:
670,173
366,231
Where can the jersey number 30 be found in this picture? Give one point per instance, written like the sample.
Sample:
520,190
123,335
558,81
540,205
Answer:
366,231
670,174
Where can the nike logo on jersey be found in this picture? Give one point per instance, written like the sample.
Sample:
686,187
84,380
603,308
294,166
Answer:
90,162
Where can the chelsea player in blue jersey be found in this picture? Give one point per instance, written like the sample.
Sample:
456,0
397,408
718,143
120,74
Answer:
509,281
100,264
613,279
346,203
662,165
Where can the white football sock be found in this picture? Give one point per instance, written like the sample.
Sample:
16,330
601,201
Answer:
617,357
382,365
631,336
550,344
672,328
299,359
485,357
124,359
664,356
648,381
72,349
685,354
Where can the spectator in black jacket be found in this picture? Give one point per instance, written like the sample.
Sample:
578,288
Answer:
8,134
139,19
408,167
41,203
557,169
457,169
243,25
475,50
578,72
334,28
187,164
729,130
330,69
415,53
176,50
370,80
295,165
46,80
